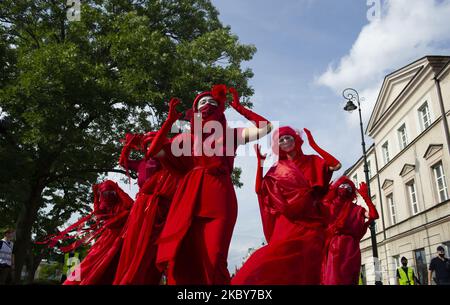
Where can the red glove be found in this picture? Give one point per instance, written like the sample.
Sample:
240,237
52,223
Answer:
259,169
329,159
248,114
364,192
158,141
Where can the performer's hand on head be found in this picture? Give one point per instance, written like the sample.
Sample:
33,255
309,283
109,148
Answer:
309,136
235,103
173,112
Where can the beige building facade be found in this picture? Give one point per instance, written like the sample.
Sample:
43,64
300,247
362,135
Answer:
409,169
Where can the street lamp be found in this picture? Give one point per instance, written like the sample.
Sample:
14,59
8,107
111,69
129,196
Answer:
352,96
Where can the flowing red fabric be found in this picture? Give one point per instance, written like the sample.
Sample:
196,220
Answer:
137,260
347,225
195,240
294,229
99,266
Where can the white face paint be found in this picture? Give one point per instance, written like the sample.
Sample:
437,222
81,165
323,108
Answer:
206,100
287,143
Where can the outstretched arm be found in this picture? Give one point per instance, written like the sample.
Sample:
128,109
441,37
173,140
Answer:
155,149
263,126
331,161
373,214
259,169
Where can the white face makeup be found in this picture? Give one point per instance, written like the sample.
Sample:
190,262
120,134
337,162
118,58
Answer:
345,186
206,100
287,143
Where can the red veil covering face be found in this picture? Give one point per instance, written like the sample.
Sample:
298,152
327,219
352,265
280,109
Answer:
195,240
347,225
292,224
157,186
111,208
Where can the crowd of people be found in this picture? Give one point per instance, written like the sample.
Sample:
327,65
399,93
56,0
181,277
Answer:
180,225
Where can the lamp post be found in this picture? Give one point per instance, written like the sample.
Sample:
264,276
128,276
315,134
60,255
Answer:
352,96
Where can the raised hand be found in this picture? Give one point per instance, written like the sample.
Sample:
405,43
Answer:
309,136
363,190
173,112
331,161
235,103
261,157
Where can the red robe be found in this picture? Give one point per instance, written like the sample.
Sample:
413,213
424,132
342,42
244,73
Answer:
294,229
195,240
342,262
98,267
144,225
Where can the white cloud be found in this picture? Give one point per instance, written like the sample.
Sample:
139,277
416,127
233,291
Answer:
406,31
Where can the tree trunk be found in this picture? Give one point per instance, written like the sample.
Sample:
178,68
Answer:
24,225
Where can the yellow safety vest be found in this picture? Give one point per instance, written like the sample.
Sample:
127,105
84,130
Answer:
406,279
360,279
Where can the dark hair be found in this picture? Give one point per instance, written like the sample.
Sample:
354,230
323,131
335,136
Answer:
440,248
7,231
403,259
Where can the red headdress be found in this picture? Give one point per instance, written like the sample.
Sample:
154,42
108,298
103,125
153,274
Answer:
123,203
286,131
218,93
332,192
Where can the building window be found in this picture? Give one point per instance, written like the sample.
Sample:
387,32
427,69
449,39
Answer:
421,266
412,195
385,149
397,261
402,137
424,116
355,179
369,169
441,184
391,205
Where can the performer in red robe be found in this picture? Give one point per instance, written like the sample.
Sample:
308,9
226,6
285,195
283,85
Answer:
289,197
157,186
195,240
111,208
348,224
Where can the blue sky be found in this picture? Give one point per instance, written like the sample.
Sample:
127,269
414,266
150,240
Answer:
308,52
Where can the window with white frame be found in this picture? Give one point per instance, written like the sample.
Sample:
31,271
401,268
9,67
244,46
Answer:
396,259
369,169
355,179
385,150
412,196
424,116
392,210
441,184
402,137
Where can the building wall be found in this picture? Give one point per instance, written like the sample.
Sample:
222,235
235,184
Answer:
430,227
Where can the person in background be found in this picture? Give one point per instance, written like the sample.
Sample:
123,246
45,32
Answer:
440,265
405,274
6,256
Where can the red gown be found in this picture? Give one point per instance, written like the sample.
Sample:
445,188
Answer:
294,229
98,267
342,262
144,225
195,240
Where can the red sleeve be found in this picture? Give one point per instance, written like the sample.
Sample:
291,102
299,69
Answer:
133,164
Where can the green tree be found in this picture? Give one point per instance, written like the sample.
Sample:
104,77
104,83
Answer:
70,89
